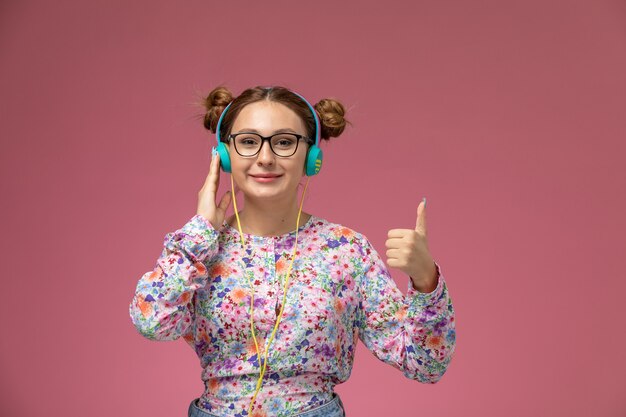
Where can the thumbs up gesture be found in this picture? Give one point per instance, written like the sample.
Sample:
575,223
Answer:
407,250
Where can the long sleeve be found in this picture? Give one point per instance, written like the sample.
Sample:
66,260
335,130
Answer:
414,333
162,307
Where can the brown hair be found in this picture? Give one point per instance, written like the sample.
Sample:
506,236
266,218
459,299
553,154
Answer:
329,111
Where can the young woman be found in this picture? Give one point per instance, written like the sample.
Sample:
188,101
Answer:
273,299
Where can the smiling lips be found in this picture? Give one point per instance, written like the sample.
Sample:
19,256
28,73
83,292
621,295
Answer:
265,177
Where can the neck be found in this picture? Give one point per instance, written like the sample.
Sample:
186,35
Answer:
269,218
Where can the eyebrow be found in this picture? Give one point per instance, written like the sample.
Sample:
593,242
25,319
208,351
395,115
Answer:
285,130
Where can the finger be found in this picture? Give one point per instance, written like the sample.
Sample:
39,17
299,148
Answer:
213,179
212,164
393,263
225,201
395,243
398,233
393,253
420,225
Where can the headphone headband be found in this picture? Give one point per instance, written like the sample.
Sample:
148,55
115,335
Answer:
317,120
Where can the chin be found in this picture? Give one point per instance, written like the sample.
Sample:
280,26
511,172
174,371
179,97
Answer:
265,193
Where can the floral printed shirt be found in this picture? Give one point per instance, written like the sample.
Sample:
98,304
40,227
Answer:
339,291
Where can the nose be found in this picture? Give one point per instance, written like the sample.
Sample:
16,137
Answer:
265,155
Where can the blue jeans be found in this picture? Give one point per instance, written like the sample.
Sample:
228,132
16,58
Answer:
333,408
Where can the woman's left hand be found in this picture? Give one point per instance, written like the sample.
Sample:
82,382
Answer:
407,250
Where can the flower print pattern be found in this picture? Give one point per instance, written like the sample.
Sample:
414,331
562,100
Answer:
339,292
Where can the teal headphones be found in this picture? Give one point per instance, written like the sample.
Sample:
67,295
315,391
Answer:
313,162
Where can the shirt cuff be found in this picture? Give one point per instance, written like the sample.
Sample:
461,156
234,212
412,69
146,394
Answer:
197,238
199,225
422,299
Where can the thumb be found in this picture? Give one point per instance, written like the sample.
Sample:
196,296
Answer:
420,225
225,201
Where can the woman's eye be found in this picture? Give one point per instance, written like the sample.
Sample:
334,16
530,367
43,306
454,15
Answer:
284,142
248,141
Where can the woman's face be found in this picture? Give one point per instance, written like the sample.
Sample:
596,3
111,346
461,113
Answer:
266,118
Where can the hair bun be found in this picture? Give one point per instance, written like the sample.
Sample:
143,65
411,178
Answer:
331,113
215,103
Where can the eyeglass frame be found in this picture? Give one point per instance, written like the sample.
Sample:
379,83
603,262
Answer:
269,141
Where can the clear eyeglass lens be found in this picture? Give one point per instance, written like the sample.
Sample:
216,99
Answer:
283,144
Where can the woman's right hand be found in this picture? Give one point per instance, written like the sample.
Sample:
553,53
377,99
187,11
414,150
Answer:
207,206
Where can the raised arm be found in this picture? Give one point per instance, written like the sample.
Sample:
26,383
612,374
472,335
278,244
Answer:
162,308
414,333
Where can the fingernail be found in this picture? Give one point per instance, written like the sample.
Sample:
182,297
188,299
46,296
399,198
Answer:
213,151
424,200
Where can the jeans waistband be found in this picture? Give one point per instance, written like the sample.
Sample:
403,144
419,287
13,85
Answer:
333,408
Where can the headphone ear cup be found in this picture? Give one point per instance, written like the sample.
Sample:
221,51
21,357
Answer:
224,157
313,161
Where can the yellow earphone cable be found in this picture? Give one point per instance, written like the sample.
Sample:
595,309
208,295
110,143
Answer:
280,315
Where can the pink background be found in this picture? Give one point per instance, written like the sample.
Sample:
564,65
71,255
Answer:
508,116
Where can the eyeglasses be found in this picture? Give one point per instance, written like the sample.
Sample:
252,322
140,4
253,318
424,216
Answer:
282,144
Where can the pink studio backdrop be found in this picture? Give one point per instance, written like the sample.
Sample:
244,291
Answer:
507,115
